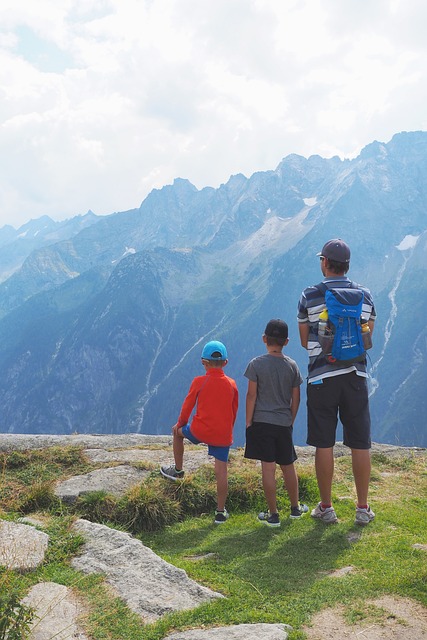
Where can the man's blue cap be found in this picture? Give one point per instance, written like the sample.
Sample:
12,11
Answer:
214,350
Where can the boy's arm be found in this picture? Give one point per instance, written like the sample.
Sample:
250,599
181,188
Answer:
235,403
250,402
295,400
188,404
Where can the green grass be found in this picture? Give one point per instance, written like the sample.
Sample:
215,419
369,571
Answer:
267,575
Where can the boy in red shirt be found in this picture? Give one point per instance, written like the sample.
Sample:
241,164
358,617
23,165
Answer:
215,398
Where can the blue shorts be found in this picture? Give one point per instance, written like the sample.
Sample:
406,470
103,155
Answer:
220,453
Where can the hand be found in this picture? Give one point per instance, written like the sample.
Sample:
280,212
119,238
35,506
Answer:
175,429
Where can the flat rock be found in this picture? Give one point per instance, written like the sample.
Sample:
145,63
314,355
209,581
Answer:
149,586
236,632
24,441
21,546
114,480
57,612
193,459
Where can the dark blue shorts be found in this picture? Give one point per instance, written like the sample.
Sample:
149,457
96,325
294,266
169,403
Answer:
220,453
344,396
270,443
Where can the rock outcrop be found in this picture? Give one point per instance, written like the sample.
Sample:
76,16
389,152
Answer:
22,547
150,586
237,632
57,611
115,480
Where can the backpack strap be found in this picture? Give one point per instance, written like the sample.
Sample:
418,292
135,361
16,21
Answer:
321,287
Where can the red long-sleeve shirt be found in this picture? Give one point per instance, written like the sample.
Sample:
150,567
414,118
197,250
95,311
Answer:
216,399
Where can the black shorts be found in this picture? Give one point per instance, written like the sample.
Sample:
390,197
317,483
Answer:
344,396
270,443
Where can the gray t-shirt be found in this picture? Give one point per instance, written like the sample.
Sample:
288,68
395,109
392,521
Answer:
275,378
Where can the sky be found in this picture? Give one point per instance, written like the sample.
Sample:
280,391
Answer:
103,100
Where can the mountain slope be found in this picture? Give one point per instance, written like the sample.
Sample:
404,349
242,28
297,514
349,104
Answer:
102,331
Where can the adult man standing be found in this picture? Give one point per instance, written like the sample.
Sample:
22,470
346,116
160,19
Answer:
336,389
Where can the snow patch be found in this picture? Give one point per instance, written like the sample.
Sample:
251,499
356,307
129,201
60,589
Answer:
389,324
310,202
408,242
128,251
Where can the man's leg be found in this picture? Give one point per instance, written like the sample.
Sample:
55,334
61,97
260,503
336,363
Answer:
221,475
269,484
361,462
322,420
178,449
324,464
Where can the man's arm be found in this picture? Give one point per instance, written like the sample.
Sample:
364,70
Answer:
250,402
304,330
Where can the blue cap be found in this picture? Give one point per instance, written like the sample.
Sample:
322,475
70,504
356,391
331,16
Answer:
214,350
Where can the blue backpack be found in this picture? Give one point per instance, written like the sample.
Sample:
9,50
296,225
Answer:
344,306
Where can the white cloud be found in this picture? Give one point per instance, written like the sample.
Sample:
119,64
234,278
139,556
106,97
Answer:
102,100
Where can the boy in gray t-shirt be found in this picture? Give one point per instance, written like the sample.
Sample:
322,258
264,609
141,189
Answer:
272,403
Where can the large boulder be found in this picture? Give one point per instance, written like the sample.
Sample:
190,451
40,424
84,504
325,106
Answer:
56,612
150,586
236,632
22,547
114,480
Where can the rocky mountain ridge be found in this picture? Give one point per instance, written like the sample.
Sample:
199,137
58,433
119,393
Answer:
100,328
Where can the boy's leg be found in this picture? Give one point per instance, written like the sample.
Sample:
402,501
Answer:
290,479
269,484
221,475
178,448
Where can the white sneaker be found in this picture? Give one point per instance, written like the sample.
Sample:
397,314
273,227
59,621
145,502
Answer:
327,515
364,516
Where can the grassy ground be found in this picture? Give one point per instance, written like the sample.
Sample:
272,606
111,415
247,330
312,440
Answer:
267,575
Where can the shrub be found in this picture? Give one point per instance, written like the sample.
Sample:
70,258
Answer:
97,506
196,493
38,496
308,490
14,459
15,617
146,508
